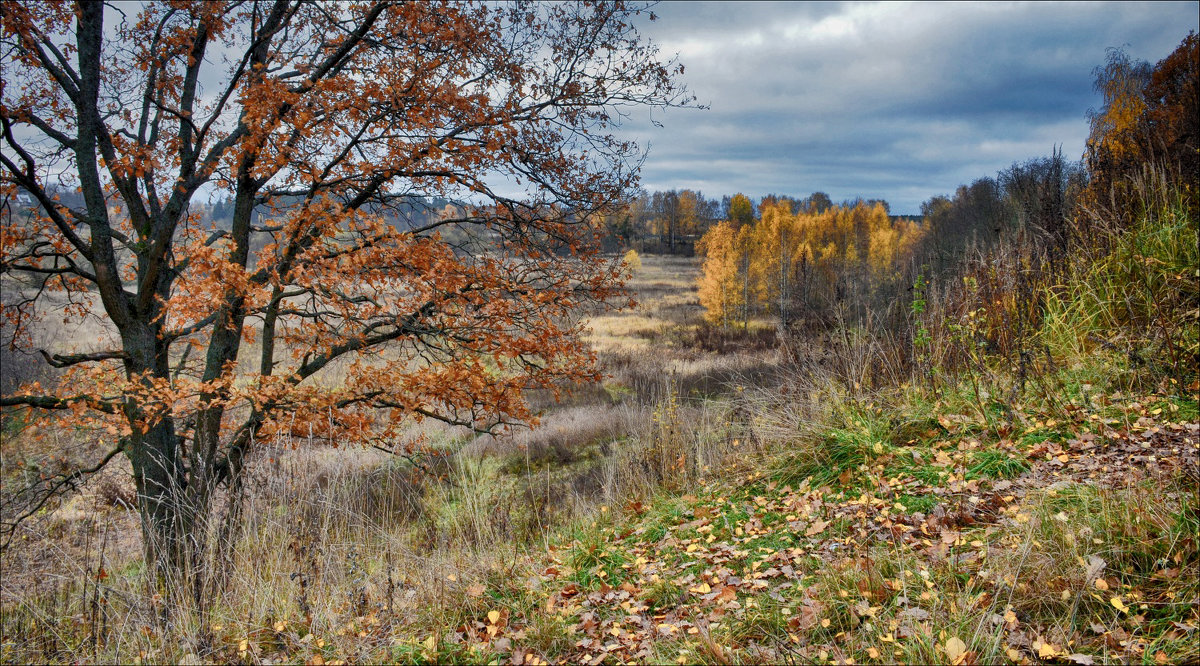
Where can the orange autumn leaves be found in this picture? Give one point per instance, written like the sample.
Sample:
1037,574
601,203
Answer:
318,306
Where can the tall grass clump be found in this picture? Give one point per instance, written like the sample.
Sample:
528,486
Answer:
1135,291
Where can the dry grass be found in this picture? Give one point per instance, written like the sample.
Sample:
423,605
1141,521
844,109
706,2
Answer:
665,291
330,538
350,554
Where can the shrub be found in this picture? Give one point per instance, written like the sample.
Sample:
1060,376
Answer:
632,261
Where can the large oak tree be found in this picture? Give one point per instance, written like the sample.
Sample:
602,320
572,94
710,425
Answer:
317,121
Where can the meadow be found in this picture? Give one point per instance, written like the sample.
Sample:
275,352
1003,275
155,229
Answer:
720,497
332,528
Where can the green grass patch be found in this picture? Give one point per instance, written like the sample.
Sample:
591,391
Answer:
915,431
995,465
595,561
664,594
921,503
1039,435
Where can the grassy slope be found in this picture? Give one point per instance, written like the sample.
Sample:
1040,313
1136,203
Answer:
899,537
808,523
915,526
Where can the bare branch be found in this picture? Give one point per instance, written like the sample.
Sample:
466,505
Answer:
67,360
53,403
51,488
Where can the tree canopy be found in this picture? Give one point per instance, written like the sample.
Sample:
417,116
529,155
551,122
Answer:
311,120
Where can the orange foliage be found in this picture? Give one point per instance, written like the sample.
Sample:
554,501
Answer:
719,286
1151,115
313,120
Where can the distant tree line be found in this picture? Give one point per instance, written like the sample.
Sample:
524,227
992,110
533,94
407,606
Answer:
673,221
808,262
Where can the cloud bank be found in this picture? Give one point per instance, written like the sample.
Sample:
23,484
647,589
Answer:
885,100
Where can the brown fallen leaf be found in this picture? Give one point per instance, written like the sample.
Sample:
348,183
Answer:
726,594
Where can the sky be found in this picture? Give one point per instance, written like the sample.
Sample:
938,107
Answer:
887,100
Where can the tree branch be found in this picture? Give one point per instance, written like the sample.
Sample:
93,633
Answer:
67,481
51,402
66,360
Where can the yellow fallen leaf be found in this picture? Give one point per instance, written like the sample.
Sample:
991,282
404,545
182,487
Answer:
1101,584
1013,654
430,644
280,626
243,645
493,616
692,548
955,648
1118,604
872,652
702,588
1048,650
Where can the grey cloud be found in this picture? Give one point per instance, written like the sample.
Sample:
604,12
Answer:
893,101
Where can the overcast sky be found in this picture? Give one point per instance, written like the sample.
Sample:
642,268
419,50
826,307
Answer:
883,100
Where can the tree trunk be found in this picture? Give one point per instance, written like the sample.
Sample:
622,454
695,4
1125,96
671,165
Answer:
746,294
159,475
157,457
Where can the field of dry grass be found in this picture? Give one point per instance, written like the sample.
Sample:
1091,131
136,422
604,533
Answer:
715,500
335,535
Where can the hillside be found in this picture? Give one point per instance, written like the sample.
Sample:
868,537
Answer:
925,537
744,516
